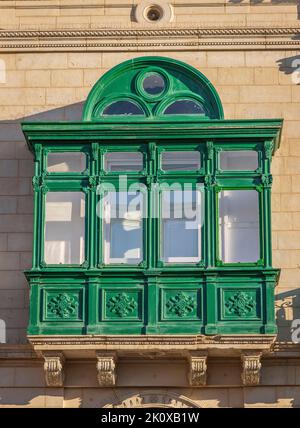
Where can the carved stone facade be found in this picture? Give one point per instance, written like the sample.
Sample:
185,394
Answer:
106,369
54,368
251,369
197,370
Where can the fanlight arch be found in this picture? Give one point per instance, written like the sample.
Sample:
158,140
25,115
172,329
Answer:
153,399
152,88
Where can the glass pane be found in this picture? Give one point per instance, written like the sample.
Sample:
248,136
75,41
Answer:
123,161
64,228
66,162
181,161
123,227
154,84
185,107
239,225
122,108
235,160
181,226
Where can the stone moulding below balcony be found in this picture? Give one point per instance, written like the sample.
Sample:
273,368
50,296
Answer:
195,349
164,345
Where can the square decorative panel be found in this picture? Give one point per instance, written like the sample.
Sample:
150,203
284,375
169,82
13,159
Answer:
240,304
180,304
122,304
63,305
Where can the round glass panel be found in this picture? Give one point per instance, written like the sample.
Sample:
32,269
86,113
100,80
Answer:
154,13
154,84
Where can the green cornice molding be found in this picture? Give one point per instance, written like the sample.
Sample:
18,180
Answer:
77,132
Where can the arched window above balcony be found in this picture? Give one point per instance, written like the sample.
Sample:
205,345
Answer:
152,88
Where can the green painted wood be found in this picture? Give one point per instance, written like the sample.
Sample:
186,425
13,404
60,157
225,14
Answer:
209,297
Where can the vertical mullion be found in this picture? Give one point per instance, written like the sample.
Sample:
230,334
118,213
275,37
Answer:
210,211
266,233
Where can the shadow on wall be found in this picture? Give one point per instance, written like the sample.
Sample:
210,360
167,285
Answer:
287,309
273,2
291,66
16,216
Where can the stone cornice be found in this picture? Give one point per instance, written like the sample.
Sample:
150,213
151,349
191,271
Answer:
25,354
146,32
162,345
161,39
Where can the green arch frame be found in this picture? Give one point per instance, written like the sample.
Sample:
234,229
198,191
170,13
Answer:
123,82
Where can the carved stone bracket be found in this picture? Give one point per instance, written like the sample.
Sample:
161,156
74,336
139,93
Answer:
54,368
197,369
251,367
106,368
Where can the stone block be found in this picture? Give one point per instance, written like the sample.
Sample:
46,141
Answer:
8,205
66,78
265,94
11,299
9,261
38,78
42,61
225,59
19,241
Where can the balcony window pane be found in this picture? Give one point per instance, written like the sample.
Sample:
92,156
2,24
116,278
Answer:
123,108
181,161
123,227
66,162
185,107
238,160
239,226
64,228
123,161
181,226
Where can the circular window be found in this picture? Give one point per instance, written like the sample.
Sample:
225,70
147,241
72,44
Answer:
154,84
154,13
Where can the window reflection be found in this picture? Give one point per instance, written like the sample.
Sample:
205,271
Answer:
126,108
64,228
181,226
237,160
154,84
123,161
66,162
180,161
185,107
239,226
123,227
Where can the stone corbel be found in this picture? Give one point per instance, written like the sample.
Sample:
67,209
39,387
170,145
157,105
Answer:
251,367
197,369
54,368
106,368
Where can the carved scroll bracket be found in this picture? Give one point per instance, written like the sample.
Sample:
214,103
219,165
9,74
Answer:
197,369
106,368
54,368
251,367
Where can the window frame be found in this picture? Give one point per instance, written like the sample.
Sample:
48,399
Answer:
260,260
63,187
152,161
